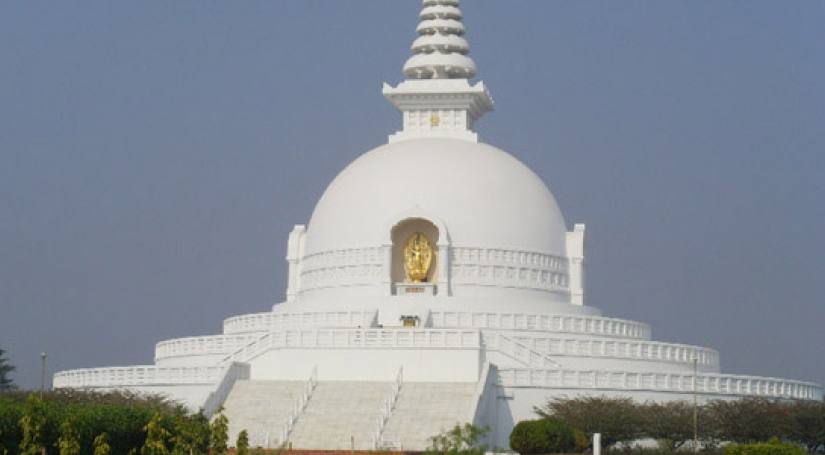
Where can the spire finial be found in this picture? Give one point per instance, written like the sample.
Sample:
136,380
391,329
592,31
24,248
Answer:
436,99
440,51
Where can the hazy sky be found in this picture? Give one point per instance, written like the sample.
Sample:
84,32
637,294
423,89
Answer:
155,155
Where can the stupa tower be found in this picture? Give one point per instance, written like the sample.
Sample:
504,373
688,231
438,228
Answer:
437,99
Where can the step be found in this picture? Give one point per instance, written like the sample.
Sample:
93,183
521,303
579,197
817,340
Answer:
340,415
261,408
424,410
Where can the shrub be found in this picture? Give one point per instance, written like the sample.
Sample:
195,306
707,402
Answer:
69,441
460,440
33,425
242,445
122,415
101,445
774,447
548,435
156,437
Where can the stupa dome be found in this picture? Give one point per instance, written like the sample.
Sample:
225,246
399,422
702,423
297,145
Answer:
484,197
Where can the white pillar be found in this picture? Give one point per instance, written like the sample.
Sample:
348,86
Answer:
294,251
443,269
597,444
575,258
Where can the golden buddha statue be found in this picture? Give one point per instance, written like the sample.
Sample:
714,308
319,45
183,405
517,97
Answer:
418,257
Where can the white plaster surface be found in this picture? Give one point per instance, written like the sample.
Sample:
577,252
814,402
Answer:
506,326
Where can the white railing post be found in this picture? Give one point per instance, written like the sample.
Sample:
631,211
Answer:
389,404
300,405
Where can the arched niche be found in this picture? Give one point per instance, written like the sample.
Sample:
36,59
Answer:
400,235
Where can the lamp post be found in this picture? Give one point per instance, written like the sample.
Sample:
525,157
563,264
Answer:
42,374
695,406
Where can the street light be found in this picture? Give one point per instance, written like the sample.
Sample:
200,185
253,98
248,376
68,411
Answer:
42,374
695,406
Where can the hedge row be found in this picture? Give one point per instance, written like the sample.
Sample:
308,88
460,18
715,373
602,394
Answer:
123,417
753,420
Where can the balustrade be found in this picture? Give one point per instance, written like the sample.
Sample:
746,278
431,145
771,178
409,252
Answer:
542,322
137,376
706,384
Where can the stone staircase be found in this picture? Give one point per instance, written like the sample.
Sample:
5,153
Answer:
339,414
425,409
261,408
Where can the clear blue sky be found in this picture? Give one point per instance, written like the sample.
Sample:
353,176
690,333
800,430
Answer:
154,156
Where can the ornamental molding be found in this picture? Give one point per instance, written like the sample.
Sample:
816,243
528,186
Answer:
500,267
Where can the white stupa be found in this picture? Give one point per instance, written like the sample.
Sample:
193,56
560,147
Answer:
435,283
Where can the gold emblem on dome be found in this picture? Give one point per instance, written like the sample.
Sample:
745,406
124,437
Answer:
418,257
435,120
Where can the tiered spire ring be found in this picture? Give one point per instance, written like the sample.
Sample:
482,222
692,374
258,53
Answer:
440,52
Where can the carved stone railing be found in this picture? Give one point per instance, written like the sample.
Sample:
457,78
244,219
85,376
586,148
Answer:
517,351
386,411
706,384
560,323
265,322
202,345
621,349
137,376
300,405
358,339
235,371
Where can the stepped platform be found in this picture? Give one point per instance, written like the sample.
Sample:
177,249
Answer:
344,415
261,408
341,415
425,409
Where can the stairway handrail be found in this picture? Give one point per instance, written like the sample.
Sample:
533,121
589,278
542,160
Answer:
389,405
508,346
300,405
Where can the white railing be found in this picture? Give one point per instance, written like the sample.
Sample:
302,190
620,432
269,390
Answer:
386,411
202,345
518,351
706,384
249,350
265,322
300,405
358,339
624,349
137,376
562,323
215,400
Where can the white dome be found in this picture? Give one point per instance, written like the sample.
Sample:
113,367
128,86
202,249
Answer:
484,196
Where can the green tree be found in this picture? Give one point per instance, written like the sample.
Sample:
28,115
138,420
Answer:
548,435
69,441
191,435
5,369
671,423
617,419
220,434
33,424
808,424
750,420
242,445
156,437
101,445
460,440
